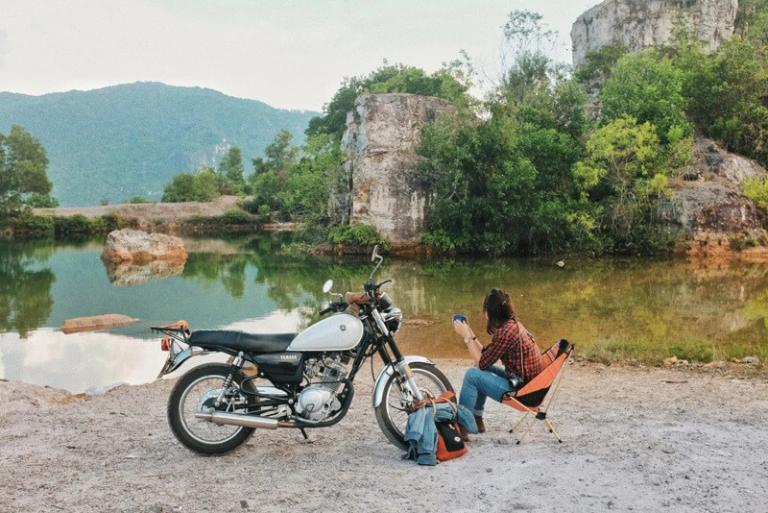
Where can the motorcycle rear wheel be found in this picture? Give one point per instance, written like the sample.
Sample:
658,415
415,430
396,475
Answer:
392,413
192,432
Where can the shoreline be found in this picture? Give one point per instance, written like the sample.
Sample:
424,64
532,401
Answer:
634,440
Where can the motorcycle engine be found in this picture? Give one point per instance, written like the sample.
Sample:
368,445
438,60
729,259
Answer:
318,400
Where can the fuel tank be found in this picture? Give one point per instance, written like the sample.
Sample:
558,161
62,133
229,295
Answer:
339,332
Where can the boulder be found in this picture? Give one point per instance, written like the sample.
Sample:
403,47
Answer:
383,132
640,24
707,205
138,247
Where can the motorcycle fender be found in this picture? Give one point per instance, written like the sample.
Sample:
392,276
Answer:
176,360
386,372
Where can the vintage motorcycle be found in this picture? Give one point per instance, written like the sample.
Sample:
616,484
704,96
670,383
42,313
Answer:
300,381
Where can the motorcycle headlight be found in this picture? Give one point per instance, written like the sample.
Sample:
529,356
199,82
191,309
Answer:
392,318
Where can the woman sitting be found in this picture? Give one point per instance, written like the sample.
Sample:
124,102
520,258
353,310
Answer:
511,343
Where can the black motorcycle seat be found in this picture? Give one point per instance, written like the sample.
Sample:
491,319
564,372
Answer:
249,342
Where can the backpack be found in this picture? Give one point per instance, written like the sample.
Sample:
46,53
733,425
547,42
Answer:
449,442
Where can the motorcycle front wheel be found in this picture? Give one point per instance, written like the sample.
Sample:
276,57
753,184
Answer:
392,413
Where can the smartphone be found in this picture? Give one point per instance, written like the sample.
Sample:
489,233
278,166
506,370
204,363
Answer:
460,317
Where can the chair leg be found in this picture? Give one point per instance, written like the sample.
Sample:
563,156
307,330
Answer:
514,426
551,428
524,433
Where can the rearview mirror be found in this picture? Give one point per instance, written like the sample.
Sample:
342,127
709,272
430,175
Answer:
375,253
327,286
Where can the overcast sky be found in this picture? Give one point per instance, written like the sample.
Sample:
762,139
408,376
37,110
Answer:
290,54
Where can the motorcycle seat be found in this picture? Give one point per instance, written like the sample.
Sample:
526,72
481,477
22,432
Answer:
256,343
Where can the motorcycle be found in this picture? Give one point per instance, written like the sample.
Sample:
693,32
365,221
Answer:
299,381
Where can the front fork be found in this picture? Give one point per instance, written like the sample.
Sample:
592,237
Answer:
406,376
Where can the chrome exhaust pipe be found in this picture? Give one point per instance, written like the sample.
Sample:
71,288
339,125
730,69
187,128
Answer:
237,419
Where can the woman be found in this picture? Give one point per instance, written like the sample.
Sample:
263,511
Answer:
511,343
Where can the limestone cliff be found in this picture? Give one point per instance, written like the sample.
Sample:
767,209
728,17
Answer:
639,24
383,132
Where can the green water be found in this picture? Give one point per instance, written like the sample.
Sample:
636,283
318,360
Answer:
612,309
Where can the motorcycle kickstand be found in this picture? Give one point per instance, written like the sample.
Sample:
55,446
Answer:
306,436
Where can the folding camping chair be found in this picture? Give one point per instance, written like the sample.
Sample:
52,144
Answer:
531,397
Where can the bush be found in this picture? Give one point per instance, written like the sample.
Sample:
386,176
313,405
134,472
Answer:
77,225
203,185
31,226
438,239
756,189
357,235
137,200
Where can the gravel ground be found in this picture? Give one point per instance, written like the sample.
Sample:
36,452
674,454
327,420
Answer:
635,440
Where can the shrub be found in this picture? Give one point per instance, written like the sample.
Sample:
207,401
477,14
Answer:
137,200
357,235
77,225
756,189
438,239
31,226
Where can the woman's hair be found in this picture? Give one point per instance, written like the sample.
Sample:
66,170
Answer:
499,308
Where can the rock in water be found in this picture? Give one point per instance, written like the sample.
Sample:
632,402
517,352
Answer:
640,24
96,322
138,247
380,143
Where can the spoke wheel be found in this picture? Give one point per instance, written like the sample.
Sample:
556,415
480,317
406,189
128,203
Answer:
392,413
196,390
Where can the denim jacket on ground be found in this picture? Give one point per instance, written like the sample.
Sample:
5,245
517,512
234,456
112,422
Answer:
421,433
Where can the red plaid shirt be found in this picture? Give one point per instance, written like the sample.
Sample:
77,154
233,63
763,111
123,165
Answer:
515,347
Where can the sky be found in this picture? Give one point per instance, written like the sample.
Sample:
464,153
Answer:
288,53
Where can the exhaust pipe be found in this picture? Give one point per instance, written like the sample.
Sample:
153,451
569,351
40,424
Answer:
236,419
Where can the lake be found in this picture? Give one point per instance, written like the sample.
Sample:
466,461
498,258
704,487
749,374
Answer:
610,308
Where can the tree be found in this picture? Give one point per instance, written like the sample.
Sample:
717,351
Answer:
625,170
23,178
202,185
445,83
231,168
649,88
728,95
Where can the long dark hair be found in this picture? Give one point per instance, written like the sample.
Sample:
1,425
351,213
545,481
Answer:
499,308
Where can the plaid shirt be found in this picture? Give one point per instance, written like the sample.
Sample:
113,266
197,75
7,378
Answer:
516,348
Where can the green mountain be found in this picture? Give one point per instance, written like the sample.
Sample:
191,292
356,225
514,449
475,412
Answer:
127,140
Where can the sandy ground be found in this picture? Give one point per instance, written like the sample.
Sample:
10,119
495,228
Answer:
635,440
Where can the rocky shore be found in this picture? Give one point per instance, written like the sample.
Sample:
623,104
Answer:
635,439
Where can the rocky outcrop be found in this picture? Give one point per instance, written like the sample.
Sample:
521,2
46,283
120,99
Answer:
708,208
383,132
640,24
137,247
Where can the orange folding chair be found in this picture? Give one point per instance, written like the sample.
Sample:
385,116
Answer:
531,398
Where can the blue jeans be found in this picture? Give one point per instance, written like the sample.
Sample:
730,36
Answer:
481,384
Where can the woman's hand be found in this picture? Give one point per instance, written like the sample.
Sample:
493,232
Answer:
463,329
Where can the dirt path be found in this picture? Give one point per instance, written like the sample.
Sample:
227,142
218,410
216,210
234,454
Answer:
635,440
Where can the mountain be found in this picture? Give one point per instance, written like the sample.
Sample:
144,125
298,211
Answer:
130,139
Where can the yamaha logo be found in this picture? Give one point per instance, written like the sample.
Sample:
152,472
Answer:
288,356
343,327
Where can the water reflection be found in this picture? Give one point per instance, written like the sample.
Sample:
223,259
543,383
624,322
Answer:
25,287
624,308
